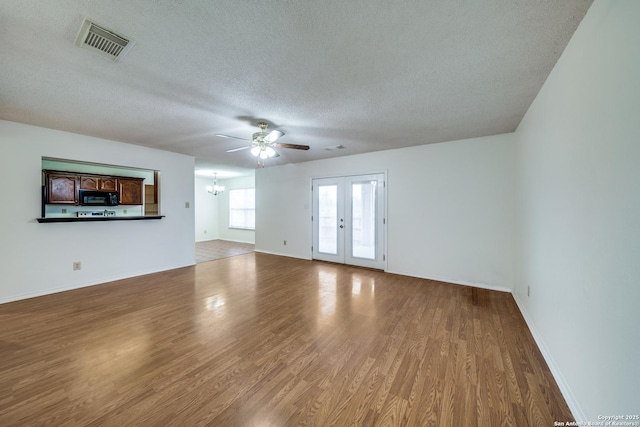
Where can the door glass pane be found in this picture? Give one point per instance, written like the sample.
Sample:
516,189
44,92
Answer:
363,219
328,219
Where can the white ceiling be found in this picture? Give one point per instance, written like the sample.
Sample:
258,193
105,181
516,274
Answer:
367,74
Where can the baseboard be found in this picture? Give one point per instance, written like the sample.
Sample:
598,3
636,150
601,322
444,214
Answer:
236,241
575,408
281,254
101,281
438,279
208,239
458,282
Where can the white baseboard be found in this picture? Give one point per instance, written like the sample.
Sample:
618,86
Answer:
438,279
281,254
207,239
101,281
575,408
237,241
458,282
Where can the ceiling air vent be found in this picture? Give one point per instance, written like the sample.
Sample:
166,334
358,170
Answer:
102,41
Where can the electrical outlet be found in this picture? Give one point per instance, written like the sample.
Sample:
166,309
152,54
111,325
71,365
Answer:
124,212
64,210
285,243
186,205
205,231
77,265
529,290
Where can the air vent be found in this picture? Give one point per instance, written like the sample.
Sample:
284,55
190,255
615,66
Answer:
102,41
335,147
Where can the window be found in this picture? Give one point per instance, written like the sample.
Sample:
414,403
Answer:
242,208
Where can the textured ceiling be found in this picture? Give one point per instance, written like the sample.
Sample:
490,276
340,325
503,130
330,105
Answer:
367,74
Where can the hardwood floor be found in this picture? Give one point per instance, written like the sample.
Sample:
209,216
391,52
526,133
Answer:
217,249
262,340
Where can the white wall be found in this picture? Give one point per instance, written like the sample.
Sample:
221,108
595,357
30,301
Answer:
206,211
233,234
578,163
212,212
450,208
36,258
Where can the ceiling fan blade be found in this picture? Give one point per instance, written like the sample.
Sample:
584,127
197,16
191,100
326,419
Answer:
232,137
273,135
294,146
233,150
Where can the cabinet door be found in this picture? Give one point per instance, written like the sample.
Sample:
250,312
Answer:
88,182
62,189
108,184
130,191
100,183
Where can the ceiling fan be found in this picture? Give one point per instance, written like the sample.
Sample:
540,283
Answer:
263,143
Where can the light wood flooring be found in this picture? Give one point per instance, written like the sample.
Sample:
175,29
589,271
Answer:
218,249
262,340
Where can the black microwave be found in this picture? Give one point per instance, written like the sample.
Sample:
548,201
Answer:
98,198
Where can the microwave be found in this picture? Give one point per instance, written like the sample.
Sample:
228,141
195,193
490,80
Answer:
98,198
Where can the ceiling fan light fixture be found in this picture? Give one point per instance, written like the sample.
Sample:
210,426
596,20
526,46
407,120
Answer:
263,143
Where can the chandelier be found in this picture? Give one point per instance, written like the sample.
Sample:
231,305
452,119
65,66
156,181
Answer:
215,189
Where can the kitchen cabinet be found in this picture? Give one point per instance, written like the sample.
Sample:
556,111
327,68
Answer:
130,191
99,183
62,188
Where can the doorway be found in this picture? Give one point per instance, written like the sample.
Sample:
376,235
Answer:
349,220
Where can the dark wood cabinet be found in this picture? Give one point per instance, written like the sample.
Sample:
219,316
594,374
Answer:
130,191
62,188
108,184
89,182
98,183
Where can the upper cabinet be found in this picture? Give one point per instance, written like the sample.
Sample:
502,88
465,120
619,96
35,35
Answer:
62,188
99,183
130,191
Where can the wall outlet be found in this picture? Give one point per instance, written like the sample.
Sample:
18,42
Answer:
205,231
77,265
285,243
529,290
64,210
186,205
124,212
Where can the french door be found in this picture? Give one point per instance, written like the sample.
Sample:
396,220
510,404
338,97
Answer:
348,220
